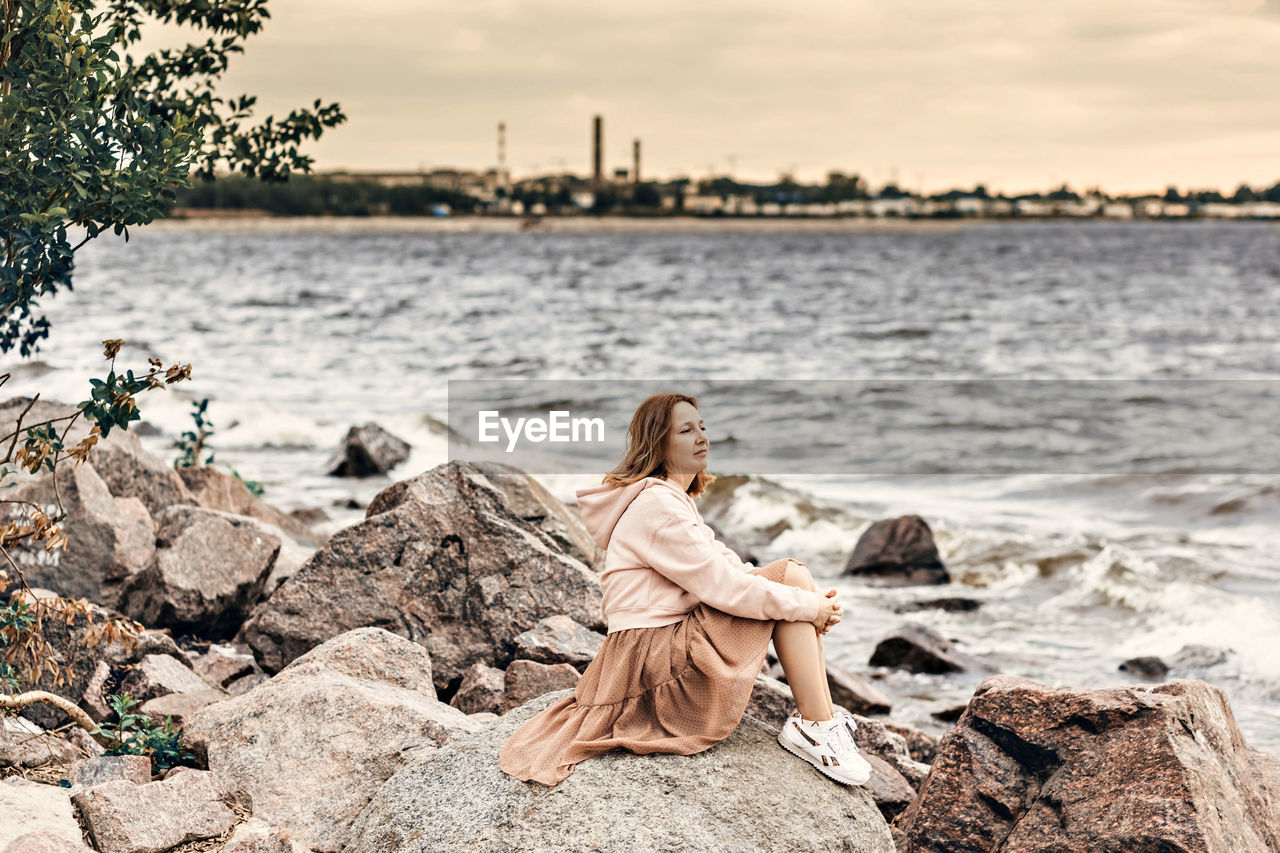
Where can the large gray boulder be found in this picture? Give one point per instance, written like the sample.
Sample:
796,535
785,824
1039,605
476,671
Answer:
367,450
209,569
745,793
530,502
1030,767
441,559
312,745
109,538
919,648
898,550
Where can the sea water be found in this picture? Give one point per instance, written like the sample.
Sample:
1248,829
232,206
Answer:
296,333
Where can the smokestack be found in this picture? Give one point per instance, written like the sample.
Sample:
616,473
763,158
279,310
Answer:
502,153
596,156
635,162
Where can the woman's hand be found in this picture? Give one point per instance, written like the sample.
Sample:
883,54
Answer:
828,612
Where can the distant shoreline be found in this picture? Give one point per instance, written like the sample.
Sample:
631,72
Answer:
260,222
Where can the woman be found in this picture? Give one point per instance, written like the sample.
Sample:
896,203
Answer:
689,623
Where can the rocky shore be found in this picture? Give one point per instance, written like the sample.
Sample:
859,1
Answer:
351,693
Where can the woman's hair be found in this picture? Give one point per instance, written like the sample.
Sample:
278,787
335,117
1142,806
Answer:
647,434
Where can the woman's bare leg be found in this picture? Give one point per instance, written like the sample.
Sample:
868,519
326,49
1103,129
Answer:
800,652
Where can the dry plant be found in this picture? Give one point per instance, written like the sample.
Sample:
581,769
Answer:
25,655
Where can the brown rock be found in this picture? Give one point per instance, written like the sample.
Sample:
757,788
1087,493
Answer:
131,472
441,559
313,744
1150,668
208,570
309,515
110,538
481,690
221,665
258,836
25,744
918,648
44,842
160,675
922,747
213,488
94,698
900,550
856,692
948,605
558,639
134,769
530,502
244,684
771,701
367,450
948,715
125,818
526,679
180,706
29,807
887,787
873,737
1030,767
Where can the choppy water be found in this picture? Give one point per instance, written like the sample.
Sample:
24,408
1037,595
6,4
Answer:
297,335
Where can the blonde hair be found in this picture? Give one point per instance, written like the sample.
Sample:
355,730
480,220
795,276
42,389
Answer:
646,454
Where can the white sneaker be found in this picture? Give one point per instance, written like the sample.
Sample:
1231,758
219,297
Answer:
828,746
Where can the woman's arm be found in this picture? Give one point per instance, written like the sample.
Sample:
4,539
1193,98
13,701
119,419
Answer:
680,552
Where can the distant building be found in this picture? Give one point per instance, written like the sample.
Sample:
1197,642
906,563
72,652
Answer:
1117,210
1261,209
1217,210
893,207
703,205
1033,207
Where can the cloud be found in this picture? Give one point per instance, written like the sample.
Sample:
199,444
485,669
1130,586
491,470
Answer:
1123,92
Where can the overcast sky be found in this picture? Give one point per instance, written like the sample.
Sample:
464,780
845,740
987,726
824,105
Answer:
1129,94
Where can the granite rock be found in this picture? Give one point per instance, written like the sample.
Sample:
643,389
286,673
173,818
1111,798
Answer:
442,559
311,745
738,795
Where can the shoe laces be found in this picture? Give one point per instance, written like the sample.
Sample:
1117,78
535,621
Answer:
847,726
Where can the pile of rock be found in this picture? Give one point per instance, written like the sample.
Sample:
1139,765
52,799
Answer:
385,671
443,559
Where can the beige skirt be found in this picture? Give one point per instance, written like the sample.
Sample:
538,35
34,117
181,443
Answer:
678,688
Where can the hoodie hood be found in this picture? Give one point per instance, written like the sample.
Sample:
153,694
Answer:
602,506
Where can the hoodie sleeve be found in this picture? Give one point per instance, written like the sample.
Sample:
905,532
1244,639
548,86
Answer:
680,552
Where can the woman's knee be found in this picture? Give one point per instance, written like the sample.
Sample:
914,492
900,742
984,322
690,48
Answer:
797,574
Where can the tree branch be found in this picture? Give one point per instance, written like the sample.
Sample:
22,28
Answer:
75,712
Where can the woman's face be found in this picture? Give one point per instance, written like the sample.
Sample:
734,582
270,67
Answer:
687,445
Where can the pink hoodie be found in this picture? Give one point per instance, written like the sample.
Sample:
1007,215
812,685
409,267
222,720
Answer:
661,560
